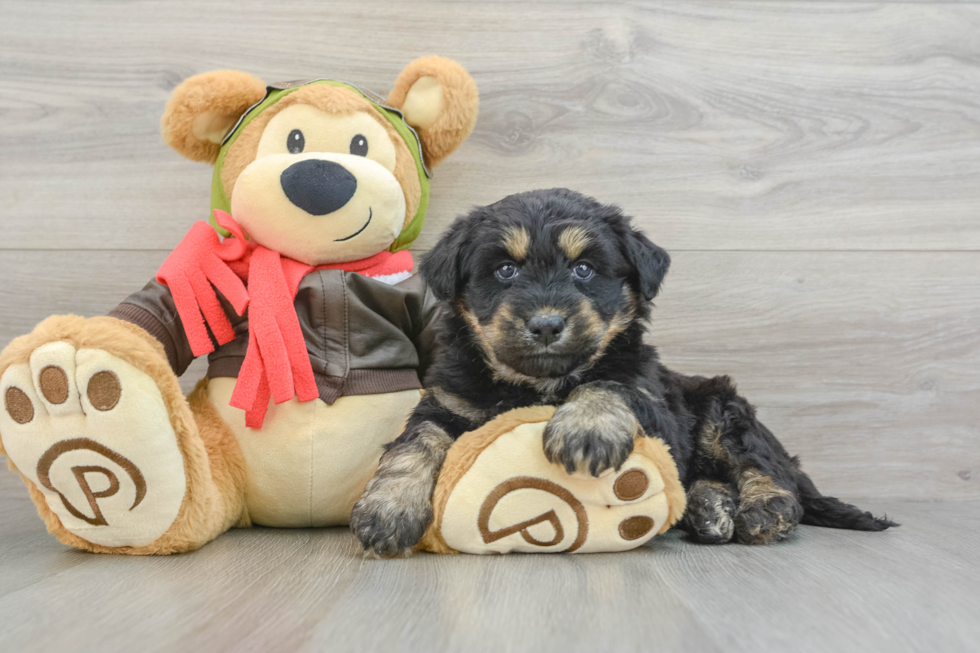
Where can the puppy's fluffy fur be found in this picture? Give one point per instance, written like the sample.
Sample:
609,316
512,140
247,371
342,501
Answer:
549,292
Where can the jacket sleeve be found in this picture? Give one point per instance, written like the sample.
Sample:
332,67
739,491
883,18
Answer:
428,342
427,312
153,310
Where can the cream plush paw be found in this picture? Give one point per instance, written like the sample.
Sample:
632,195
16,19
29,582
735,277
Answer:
92,433
498,493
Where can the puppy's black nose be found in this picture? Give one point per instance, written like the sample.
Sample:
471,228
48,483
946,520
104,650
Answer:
318,187
546,329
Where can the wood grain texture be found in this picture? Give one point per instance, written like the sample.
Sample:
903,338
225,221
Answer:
744,125
910,589
865,364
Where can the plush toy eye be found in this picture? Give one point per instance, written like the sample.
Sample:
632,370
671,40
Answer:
583,271
295,142
506,272
358,145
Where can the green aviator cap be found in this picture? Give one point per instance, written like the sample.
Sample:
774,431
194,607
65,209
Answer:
274,93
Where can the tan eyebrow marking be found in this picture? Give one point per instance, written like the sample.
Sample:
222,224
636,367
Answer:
517,241
573,241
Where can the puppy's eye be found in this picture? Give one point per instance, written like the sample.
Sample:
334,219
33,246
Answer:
506,272
358,145
583,271
295,142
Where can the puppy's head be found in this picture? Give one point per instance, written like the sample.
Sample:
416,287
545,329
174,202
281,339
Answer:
545,280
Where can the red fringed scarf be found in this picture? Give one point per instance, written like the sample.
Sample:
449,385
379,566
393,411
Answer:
277,363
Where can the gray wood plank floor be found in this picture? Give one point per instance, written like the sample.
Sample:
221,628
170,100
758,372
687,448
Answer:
910,589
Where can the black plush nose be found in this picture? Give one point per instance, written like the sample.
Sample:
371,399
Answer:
546,329
318,187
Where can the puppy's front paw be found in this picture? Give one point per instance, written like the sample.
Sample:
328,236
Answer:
390,518
594,430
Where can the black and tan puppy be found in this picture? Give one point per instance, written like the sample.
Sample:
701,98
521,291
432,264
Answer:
549,294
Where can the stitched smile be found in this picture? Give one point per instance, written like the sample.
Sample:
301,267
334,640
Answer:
370,214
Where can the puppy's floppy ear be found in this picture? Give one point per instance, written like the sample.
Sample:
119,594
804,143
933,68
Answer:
203,109
442,266
649,262
439,99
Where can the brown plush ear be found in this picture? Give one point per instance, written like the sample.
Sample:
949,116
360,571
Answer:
440,100
203,109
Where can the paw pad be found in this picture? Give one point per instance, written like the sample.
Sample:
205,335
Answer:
635,527
18,405
631,485
104,390
54,384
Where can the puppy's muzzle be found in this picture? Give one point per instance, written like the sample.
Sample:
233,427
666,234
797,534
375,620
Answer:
318,187
546,329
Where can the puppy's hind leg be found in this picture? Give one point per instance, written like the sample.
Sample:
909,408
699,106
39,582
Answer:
767,512
735,446
710,514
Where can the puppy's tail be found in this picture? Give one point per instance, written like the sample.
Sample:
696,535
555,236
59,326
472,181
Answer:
830,512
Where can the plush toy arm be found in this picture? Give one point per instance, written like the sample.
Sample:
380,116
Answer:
152,310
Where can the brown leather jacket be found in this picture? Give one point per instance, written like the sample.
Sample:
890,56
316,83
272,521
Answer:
363,336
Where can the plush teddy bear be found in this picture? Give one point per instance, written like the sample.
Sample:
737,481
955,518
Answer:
315,330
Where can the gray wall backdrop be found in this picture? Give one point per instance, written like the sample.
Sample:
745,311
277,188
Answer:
813,167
